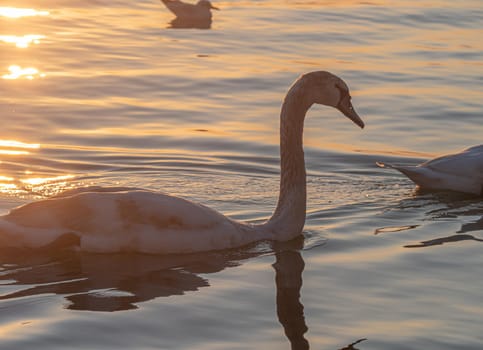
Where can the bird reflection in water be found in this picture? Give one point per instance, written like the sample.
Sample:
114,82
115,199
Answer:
110,282
115,282
472,226
289,266
442,205
186,23
443,240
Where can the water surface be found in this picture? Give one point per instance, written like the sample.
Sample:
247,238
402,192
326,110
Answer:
109,93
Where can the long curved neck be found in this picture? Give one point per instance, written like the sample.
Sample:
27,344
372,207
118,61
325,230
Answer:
289,217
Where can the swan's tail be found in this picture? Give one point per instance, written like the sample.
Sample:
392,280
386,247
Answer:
427,178
384,165
420,176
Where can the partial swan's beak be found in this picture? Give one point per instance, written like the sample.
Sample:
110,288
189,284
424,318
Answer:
345,106
214,8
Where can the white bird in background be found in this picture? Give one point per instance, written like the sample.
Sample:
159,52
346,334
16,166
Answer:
123,219
200,11
461,172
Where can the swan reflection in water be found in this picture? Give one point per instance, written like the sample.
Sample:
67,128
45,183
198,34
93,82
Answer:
443,240
116,282
289,266
112,282
441,206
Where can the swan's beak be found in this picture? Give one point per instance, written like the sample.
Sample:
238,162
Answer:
214,8
345,106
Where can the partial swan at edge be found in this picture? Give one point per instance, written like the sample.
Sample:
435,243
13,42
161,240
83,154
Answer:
123,219
460,172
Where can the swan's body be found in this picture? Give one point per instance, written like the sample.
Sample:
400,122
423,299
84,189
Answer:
126,220
461,172
199,11
122,219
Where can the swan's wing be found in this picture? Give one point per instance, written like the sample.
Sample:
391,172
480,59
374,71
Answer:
75,191
118,221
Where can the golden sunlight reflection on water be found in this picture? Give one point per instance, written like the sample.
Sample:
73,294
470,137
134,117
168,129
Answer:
35,185
15,148
44,180
13,152
9,184
8,188
18,144
16,12
17,72
27,181
22,41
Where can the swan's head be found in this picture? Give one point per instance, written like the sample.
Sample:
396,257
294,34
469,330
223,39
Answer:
207,4
330,90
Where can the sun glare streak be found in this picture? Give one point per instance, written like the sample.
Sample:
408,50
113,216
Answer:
22,41
15,12
15,148
18,72
13,153
18,144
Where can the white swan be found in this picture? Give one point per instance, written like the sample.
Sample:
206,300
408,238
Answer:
122,219
200,11
461,172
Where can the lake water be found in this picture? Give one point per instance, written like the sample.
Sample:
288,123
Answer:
112,93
